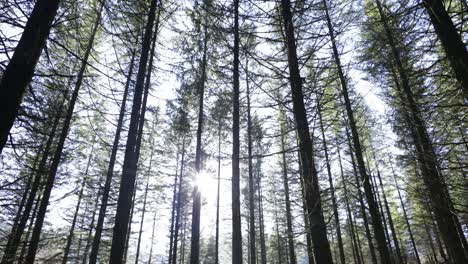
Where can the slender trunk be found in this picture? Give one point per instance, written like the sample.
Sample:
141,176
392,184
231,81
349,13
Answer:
110,169
278,244
30,227
361,201
317,225
389,216
182,252
58,152
451,40
405,215
373,207
356,250
218,196
174,198
195,238
236,215
261,220
310,250
90,231
431,243
292,253
152,240
332,188
17,231
447,221
130,222
20,69
77,208
179,205
130,161
252,239
142,221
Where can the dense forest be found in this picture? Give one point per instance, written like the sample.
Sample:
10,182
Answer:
281,132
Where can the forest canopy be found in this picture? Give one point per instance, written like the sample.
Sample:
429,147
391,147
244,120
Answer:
244,131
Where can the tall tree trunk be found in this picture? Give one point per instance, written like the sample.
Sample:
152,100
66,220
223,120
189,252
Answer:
20,69
30,227
332,188
182,251
130,222
261,220
14,238
131,157
179,204
236,215
110,169
451,40
174,199
405,215
196,206
292,253
447,221
60,145
310,250
356,250
318,228
373,207
389,215
90,231
252,238
71,234
218,196
361,200
142,221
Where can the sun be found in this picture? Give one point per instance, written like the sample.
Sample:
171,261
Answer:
207,184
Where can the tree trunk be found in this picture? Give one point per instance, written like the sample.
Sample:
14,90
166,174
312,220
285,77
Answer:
236,215
332,188
218,196
174,198
17,231
447,221
389,216
361,201
77,208
261,220
110,169
179,204
292,253
356,251
318,230
451,40
252,238
60,145
405,215
30,227
130,161
195,238
142,220
90,231
373,207
19,71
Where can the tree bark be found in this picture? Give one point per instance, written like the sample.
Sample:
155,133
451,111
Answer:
451,40
127,184
318,230
292,252
179,204
236,215
252,238
174,199
20,69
